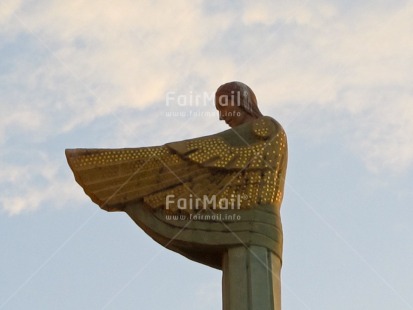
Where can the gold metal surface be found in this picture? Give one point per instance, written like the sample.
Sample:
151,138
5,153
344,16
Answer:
246,166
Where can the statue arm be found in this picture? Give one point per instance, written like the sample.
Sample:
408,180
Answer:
228,164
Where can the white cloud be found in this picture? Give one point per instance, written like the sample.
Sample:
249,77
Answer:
288,12
18,119
359,63
382,134
7,9
29,186
70,64
315,61
30,197
96,60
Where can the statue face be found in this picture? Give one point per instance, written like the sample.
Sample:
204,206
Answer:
230,112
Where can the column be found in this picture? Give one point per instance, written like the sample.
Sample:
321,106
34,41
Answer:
251,279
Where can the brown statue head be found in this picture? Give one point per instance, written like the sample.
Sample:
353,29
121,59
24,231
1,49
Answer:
236,103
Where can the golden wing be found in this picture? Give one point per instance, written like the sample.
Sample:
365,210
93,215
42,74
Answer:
237,168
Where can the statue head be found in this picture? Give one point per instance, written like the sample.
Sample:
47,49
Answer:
236,103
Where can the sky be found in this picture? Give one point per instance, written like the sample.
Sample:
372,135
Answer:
112,74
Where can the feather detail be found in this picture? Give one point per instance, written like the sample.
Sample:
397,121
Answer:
244,167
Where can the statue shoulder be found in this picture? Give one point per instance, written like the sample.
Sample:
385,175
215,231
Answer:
233,148
266,127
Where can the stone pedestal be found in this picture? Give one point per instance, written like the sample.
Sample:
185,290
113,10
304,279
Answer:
251,279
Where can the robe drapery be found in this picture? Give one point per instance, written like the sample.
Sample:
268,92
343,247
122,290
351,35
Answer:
198,196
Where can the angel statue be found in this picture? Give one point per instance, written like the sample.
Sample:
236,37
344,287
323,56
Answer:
214,199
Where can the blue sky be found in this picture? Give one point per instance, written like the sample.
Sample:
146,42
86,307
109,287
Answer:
336,74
